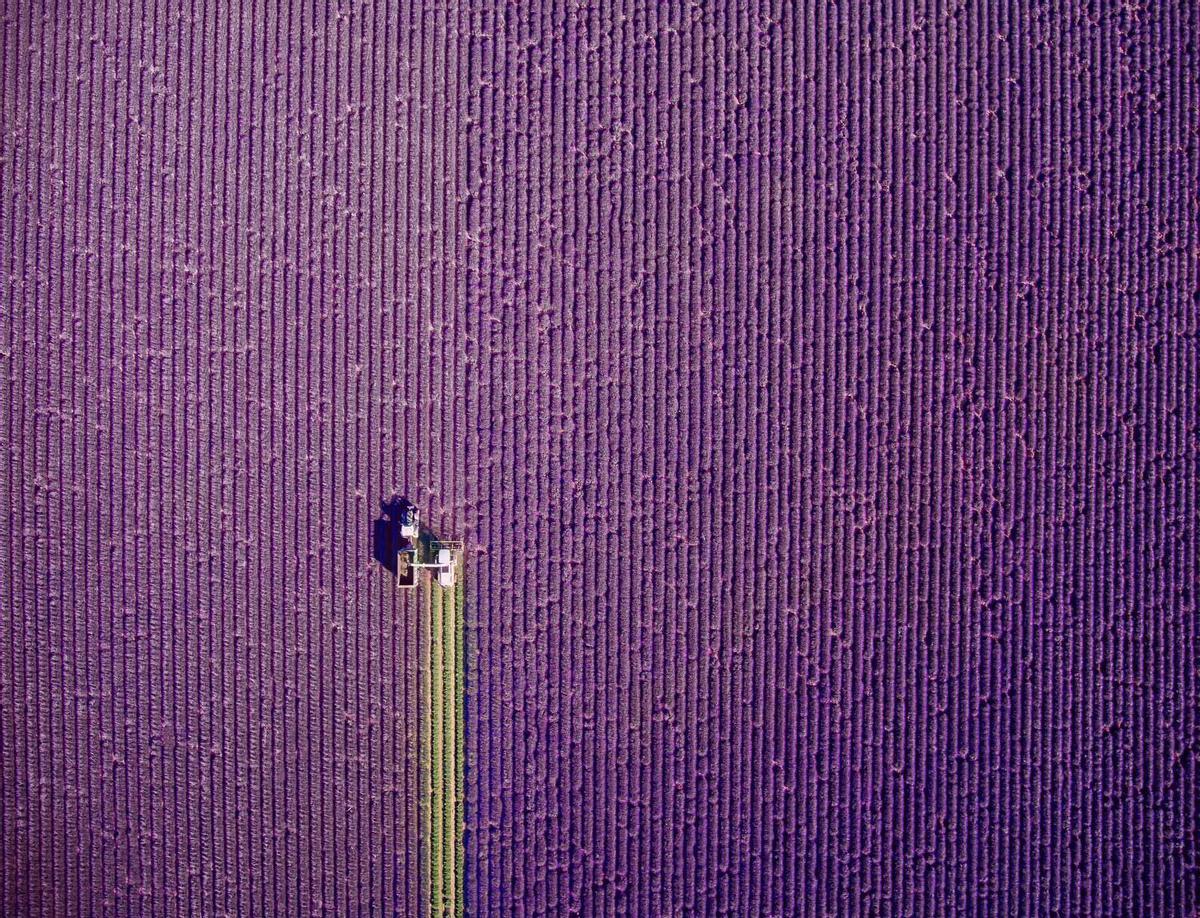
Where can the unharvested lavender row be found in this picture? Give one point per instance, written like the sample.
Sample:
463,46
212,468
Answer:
227,241
834,407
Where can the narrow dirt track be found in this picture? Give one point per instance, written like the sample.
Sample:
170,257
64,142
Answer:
815,387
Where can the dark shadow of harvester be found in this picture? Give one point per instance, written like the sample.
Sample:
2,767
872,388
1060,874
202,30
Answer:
386,538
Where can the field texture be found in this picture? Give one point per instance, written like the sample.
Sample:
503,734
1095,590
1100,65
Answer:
816,388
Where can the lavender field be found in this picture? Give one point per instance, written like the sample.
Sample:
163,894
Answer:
815,387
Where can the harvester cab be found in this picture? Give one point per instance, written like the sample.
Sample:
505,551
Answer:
410,522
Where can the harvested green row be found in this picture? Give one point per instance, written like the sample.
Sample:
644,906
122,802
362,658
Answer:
442,754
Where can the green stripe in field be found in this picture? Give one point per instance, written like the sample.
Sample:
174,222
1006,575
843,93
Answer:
460,662
442,739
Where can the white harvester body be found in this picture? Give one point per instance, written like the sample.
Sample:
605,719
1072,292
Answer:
448,554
